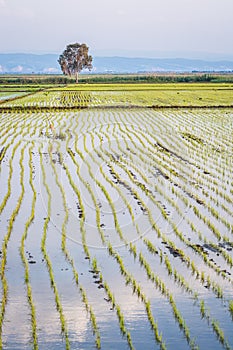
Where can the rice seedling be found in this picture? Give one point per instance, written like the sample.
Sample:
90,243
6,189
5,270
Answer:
6,241
231,307
220,334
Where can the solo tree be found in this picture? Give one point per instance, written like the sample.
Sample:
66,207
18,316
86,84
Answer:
74,59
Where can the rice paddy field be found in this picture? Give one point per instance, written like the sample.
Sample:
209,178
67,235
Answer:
116,221
118,95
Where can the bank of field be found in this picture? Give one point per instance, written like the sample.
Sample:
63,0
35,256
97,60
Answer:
116,223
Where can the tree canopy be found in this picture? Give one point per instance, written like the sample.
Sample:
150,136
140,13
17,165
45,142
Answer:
74,59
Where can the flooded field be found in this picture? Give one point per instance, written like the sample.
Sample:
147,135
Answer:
116,229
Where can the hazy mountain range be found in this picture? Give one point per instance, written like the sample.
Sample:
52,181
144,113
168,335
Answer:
47,64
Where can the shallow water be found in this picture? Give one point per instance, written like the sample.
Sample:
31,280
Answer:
107,161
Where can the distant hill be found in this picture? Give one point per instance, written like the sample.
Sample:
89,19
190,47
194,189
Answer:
29,63
136,65
47,64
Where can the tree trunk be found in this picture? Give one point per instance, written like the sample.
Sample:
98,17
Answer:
76,75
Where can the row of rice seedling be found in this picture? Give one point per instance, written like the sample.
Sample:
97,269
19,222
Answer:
181,163
7,195
107,195
122,160
26,101
162,286
121,264
124,95
154,94
27,281
223,220
51,99
213,228
130,280
218,289
131,179
96,270
181,280
115,306
70,259
23,257
109,180
123,271
118,308
169,268
207,145
89,188
213,199
7,127
99,184
11,135
177,232
10,95
106,156
94,263
81,206
47,259
75,98
6,239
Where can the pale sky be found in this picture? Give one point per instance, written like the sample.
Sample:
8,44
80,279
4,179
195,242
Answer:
148,28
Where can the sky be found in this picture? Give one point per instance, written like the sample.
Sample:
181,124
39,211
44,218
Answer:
149,28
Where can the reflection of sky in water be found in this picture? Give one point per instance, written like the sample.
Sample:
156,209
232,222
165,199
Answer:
80,332
81,336
17,329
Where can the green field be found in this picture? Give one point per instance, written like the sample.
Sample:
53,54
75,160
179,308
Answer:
120,95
